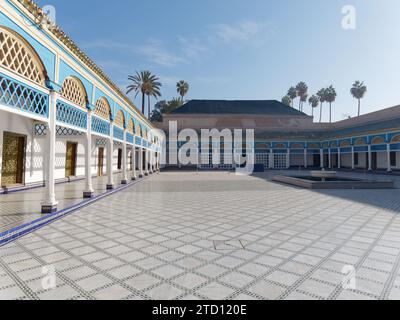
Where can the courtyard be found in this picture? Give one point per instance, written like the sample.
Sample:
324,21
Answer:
213,235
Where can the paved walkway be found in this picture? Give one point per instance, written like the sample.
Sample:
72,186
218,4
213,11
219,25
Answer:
25,206
213,236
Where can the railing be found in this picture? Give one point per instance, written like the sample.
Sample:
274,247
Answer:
129,137
100,126
22,97
118,133
69,114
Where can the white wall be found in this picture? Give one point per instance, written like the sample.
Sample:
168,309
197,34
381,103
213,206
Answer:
35,146
397,160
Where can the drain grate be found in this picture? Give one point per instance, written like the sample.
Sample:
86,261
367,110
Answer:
221,245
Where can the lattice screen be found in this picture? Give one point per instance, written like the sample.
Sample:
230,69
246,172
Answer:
73,91
131,126
102,109
120,119
138,131
17,56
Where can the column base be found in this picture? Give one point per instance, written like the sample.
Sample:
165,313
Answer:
110,187
124,181
146,174
141,175
134,178
49,208
88,194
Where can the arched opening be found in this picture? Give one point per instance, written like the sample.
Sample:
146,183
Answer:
103,109
120,119
296,146
396,139
360,142
131,126
344,144
17,55
378,140
73,90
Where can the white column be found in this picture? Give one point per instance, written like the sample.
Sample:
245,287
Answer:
110,158
146,170
88,192
369,158
353,165
134,176
1,151
288,159
389,167
124,179
305,158
50,203
151,162
322,158
330,158
271,158
339,164
141,174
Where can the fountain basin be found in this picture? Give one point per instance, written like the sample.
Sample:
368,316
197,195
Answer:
324,174
313,182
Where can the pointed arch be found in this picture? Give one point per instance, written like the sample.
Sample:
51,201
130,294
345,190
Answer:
16,54
103,109
73,90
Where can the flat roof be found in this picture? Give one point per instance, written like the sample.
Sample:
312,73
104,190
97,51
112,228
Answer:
261,107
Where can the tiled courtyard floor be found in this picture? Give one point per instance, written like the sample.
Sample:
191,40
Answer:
213,236
25,206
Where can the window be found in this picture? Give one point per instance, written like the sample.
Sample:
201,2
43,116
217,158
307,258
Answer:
73,90
393,159
18,56
356,159
103,109
120,119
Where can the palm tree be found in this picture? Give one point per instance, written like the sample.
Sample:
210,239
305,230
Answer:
358,91
147,84
322,99
183,88
292,94
302,90
330,96
303,99
287,101
313,102
153,90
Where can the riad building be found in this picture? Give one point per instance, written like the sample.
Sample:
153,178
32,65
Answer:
60,115
285,137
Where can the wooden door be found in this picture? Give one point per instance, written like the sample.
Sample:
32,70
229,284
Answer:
12,170
70,160
100,171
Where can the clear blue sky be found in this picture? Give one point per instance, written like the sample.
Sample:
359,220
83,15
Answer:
236,49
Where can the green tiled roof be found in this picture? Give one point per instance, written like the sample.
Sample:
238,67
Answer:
262,107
